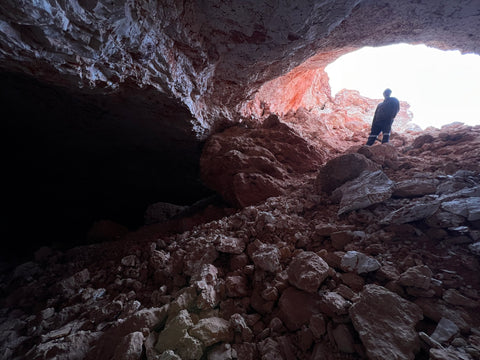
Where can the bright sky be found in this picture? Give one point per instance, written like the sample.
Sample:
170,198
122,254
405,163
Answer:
441,86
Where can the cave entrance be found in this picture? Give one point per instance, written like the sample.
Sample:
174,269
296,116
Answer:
441,86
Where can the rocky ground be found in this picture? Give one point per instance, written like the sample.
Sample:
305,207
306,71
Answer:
375,255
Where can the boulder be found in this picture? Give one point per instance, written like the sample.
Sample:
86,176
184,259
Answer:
293,315
411,212
467,207
307,271
267,257
384,154
358,262
212,330
445,330
175,337
249,165
417,276
386,324
414,188
339,170
368,189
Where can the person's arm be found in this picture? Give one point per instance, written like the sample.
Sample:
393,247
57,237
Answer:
376,112
397,107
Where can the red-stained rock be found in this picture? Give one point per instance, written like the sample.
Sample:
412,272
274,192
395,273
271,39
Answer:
417,276
333,304
341,169
415,187
394,337
317,325
247,165
230,245
267,257
383,154
212,330
307,271
246,351
293,315
237,286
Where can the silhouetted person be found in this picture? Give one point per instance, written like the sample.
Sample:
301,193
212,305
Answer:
383,118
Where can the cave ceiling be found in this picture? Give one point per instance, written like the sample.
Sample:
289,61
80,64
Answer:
180,67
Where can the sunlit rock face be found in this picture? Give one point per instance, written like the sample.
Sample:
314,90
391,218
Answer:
303,99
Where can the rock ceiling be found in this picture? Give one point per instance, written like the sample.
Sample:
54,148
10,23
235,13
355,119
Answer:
192,63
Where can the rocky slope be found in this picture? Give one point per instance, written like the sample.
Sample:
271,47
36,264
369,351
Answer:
374,254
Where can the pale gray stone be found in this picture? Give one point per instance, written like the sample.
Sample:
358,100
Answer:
368,189
358,262
466,207
212,330
411,212
445,330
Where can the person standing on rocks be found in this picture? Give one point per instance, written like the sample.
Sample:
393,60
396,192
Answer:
383,118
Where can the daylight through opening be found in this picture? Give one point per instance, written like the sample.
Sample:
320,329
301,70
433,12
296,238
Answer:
442,87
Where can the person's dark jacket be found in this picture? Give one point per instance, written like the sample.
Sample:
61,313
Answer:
386,111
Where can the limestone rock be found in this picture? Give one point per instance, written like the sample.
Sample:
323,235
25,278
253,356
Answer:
454,297
175,337
212,330
468,208
385,154
359,263
307,271
339,170
368,189
445,330
412,212
392,337
436,310
417,276
230,245
333,304
414,188
130,347
267,257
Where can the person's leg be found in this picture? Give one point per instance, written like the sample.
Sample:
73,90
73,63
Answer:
386,132
373,134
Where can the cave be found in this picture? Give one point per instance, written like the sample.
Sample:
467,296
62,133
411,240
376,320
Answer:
224,109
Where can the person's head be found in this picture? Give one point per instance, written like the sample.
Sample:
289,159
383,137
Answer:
387,93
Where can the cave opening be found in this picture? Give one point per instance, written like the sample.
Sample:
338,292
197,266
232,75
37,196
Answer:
441,87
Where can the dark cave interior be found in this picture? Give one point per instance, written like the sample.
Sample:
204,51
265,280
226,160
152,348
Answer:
71,160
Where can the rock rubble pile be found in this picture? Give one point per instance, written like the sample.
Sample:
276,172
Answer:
380,264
